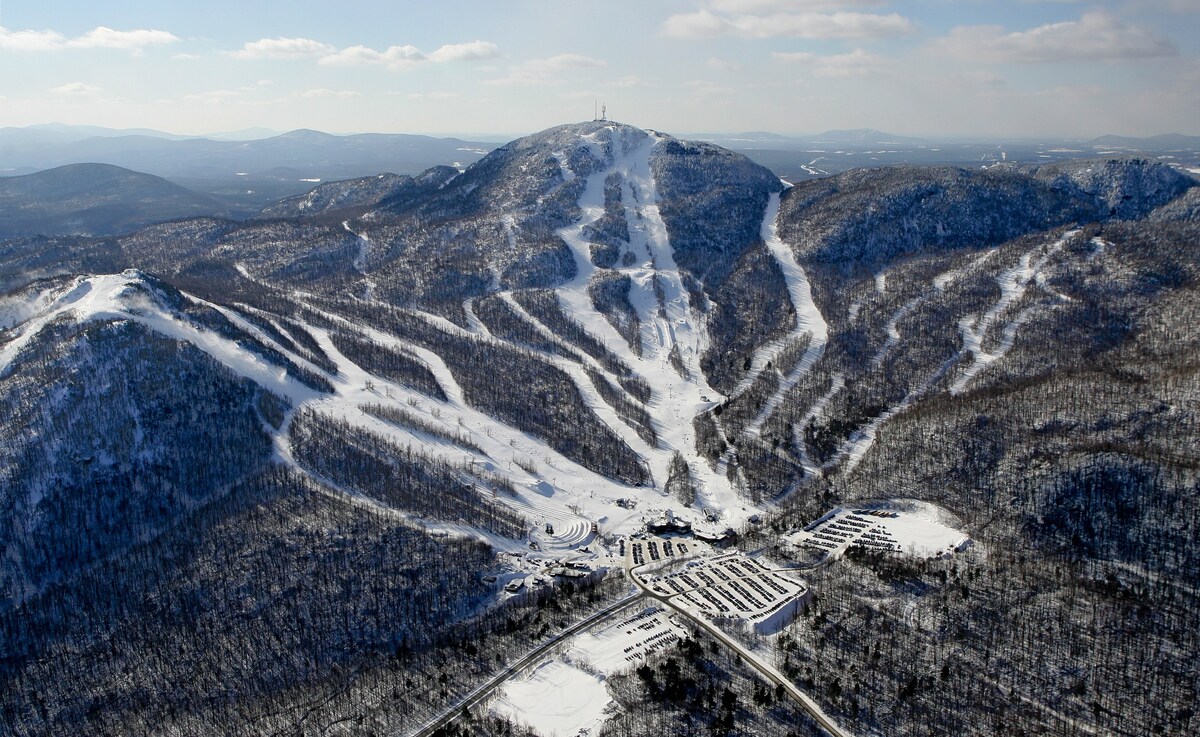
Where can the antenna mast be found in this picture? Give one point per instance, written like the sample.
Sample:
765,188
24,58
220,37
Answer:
604,111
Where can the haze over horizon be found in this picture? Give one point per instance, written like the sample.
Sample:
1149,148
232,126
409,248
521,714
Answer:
988,68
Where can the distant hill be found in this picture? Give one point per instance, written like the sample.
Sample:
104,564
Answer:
93,199
1151,143
861,136
244,175
313,154
358,194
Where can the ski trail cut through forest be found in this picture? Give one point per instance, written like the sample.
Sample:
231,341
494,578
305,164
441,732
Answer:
1014,284
676,398
810,323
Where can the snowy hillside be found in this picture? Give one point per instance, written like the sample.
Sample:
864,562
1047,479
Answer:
371,423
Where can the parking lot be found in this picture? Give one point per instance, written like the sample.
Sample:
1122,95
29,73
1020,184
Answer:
628,642
731,585
919,532
640,551
859,527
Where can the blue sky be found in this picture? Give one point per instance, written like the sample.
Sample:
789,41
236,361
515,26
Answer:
507,67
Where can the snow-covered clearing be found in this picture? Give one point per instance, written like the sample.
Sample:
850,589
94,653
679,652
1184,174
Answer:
566,695
556,699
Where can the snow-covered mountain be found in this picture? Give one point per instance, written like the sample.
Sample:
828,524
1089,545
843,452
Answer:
586,328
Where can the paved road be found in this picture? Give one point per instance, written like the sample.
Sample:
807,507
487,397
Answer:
768,671
482,692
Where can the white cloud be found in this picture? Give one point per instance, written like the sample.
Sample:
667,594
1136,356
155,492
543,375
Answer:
472,51
186,57
107,38
546,71
30,40
760,6
794,57
857,63
75,88
710,93
394,57
838,25
629,81
322,92
283,48
100,37
723,65
432,95
1096,36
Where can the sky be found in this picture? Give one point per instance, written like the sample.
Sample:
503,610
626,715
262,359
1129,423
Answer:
970,68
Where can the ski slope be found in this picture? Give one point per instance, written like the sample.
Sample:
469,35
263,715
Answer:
676,397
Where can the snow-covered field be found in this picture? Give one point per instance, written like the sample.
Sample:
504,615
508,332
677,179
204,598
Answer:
557,699
566,695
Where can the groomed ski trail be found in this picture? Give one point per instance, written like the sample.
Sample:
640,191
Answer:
675,399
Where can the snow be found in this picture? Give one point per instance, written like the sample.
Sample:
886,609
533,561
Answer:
732,587
809,321
810,324
815,413
566,695
115,297
675,399
622,646
906,526
557,700
1014,283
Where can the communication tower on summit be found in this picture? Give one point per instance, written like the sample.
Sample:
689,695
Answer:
601,114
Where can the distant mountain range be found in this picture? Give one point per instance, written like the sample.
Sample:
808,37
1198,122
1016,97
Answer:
93,199
306,154
857,137
1151,143
244,175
